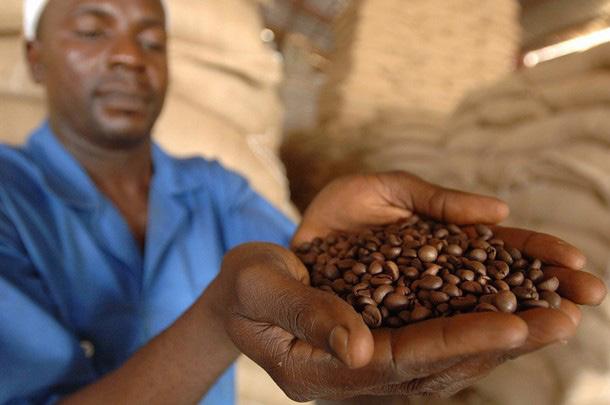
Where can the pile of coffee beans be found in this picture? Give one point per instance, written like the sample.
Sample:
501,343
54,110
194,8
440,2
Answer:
418,269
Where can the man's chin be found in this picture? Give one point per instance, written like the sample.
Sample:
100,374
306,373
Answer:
125,130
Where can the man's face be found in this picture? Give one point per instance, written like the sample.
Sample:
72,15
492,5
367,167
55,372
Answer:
104,66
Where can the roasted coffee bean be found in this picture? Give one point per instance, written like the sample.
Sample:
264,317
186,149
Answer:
478,255
351,278
363,301
410,273
515,279
438,297
485,307
524,293
536,264
527,283
419,313
346,264
396,302
327,288
534,304
550,284
466,275
501,285
381,279
489,289
451,279
372,316
535,275
359,269
432,269
454,229
451,290
462,303
390,252
360,288
402,290
483,230
552,298
502,254
476,266
471,287
427,254
505,301
520,264
380,293
375,268
515,253
430,282
331,272
441,233
339,285
391,269
454,250
498,269
487,298
394,240
423,295
384,312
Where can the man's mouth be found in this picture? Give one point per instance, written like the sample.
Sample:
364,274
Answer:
124,101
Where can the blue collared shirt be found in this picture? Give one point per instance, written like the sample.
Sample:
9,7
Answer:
73,277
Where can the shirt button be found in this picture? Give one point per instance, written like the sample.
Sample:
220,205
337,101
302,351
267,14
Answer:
88,348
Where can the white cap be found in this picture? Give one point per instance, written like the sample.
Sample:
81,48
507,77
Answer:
32,10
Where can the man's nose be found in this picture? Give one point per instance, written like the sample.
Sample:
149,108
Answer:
127,52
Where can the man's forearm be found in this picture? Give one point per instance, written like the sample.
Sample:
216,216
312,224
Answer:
178,366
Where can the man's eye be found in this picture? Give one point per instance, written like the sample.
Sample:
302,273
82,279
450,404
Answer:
154,46
90,34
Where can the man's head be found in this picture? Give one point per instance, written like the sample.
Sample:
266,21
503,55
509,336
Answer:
103,64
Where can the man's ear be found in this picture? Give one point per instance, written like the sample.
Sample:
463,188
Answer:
33,51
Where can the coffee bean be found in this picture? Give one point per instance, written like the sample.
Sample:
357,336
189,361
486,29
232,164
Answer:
535,275
485,307
504,256
410,272
394,322
498,269
394,240
515,253
550,284
372,316
380,293
552,298
376,267
391,269
466,275
515,279
505,301
339,285
327,288
451,279
351,278
487,298
430,282
454,250
476,266
471,287
331,272
534,304
432,269
489,289
363,301
390,252
438,297
520,264
451,290
454,229
427,253
441,233
405,316
536,264
359,269
381,279
396,302
419,313
501,285
402,290
465,302
527,283
524,293
346,264
478,255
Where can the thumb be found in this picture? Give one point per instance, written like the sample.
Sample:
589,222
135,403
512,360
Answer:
276,292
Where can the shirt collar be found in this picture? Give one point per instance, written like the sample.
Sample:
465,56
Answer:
68,179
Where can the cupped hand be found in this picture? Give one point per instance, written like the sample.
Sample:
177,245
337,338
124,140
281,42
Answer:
315,345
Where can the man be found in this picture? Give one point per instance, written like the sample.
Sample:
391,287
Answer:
111,283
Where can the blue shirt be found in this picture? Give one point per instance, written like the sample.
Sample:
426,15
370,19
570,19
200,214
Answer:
72,275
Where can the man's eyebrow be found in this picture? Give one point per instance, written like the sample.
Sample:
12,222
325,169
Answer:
97,10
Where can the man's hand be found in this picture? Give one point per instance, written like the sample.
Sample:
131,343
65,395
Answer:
315,345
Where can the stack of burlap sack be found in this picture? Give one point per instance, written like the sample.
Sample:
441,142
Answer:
539,139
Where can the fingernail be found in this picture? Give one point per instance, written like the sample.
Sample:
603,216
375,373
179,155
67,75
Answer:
337,340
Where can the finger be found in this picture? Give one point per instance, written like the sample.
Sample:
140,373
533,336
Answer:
571,310
274,293
546,326
578,286
427,345
549,249
440,203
